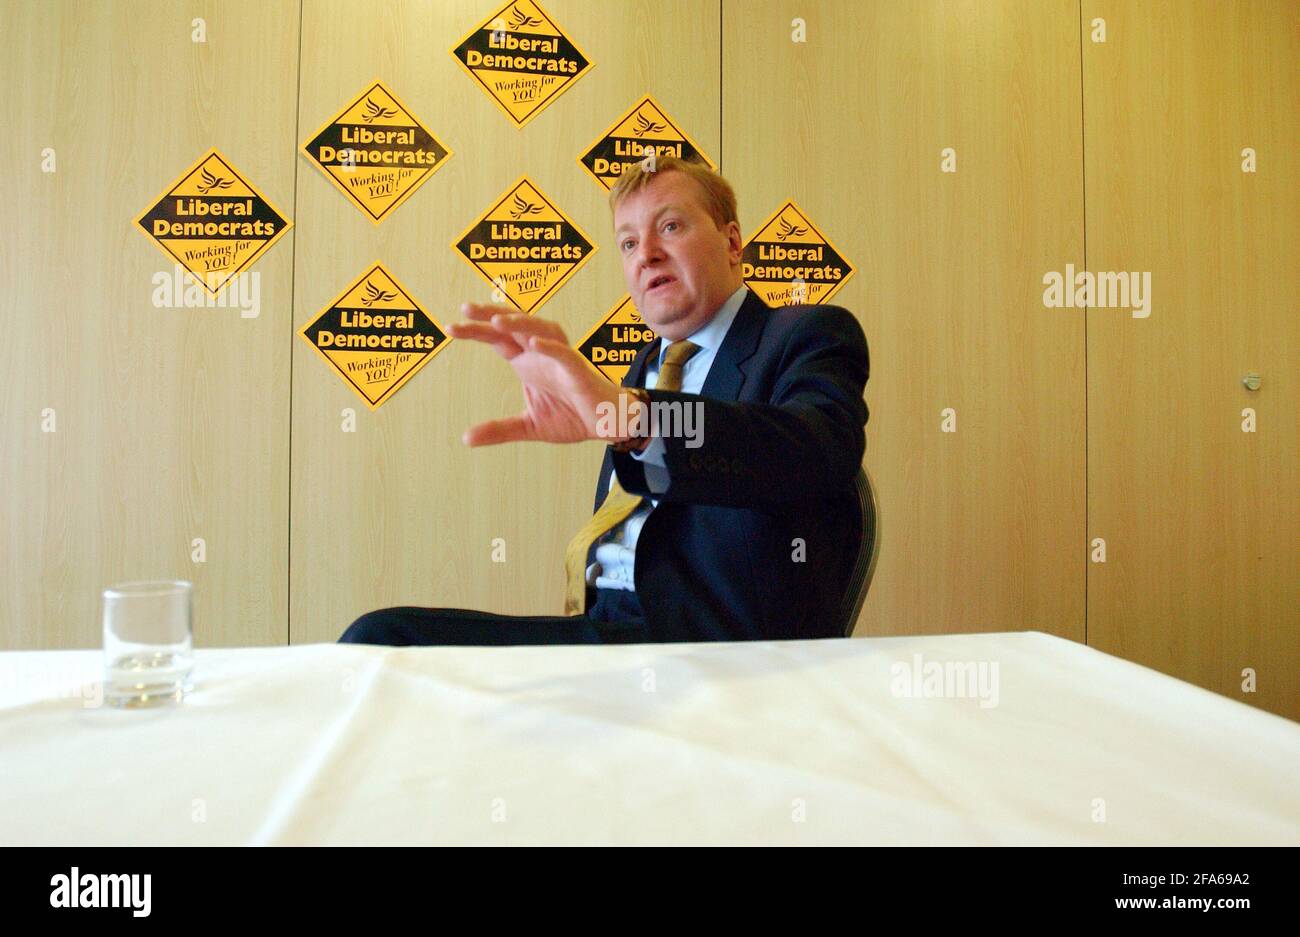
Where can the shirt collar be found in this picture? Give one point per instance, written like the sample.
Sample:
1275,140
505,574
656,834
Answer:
710,335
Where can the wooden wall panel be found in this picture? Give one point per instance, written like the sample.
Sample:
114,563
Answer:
400,512
170,424
1199,518
982,529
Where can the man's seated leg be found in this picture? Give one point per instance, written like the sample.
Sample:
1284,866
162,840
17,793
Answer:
610,621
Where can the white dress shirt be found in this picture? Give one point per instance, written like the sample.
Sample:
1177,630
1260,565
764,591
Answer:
616,550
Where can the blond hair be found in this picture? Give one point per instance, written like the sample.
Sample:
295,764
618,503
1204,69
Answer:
719,199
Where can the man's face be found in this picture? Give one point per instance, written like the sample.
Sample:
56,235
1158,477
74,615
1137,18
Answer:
666,236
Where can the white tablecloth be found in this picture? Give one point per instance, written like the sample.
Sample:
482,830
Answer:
781,742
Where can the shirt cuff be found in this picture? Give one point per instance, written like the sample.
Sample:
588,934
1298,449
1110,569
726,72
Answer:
657,476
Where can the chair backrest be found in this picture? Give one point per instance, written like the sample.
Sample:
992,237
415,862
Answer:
864,565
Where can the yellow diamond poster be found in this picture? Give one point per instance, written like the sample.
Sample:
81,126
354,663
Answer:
522,59
525,246
375,335
788,262
643,130
376,152
612,345
213,222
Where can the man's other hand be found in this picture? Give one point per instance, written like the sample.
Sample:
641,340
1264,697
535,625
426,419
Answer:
562,393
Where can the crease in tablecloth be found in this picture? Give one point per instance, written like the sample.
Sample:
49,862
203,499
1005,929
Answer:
288,800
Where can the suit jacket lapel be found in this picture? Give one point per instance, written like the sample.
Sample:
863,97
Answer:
635,376
727,373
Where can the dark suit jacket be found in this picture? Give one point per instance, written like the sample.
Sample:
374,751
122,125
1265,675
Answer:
783,438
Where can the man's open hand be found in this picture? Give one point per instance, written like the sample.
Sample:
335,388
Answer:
562,393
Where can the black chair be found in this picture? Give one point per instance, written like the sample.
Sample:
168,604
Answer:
864,565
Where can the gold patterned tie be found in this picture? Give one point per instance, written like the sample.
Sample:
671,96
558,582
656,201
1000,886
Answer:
618,504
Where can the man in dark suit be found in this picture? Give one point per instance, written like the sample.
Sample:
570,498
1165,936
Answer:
725,507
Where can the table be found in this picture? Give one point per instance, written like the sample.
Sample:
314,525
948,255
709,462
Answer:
801,742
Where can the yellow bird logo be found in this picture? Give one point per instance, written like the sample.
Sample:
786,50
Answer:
787,229
374,111
519,19
210,183
645,125
523,208
372,295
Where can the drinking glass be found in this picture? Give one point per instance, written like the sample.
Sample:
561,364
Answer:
148,642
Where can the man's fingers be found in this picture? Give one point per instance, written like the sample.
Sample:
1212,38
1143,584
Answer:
551,348
503,342
479,331
482,312
520,325
510,429
505,321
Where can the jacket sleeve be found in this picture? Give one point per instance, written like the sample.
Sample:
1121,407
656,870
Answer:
807,441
